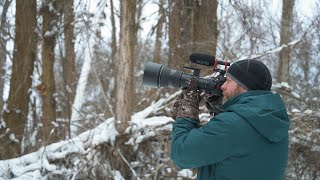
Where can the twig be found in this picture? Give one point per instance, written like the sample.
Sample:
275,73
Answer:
289,44
125,160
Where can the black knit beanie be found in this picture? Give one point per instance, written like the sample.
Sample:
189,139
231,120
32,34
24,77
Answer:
251,74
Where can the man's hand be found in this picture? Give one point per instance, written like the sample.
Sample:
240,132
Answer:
187,104
176,105
213,104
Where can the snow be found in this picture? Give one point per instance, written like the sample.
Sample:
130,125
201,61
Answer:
13,138
186,173
149,125
153,121
78,101
154,107
2,123
296,95
271,51
140,121
308,111
117,175
37,161
315,148
282,85
107,135
142,126
285,84
295,111
30,165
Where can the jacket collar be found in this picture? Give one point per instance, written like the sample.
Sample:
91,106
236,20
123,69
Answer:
235,99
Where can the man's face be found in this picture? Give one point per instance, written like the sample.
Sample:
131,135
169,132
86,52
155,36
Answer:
230,89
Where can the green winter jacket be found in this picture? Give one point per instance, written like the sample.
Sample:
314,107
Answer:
247,141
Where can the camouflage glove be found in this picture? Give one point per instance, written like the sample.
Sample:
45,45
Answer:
187,104
175,107
213,104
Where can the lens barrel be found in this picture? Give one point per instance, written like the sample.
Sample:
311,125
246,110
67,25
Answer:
157,75
151,74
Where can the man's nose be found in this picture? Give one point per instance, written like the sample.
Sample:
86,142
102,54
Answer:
223,86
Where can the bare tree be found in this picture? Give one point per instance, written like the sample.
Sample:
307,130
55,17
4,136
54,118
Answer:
3,46
114,50
49,33
193,27
179,31
159,32
205,26
69,62
285,37
25,49
113,32
124,83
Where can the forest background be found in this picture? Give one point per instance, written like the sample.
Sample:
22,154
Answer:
71,69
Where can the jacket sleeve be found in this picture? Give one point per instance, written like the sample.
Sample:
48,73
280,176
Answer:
194,147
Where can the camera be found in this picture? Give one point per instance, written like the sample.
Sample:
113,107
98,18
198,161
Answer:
158,75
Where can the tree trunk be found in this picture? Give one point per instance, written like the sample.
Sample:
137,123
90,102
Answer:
79,100
205,29
124,83
180,35
114,31
304,58
69,64
3,47
24,55
192,28
48,131
159,33
205,23
113,58
285,35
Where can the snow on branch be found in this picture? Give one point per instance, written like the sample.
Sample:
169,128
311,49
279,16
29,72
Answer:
31,165
290,44
39,160
274,50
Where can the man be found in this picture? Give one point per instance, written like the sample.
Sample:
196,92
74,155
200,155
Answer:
247,140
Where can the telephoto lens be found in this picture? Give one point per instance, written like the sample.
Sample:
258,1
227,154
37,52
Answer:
157,75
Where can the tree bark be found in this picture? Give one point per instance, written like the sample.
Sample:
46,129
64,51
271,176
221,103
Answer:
24,55
180,35
192,27
159,33
114,31
205,26
285,35
124,83
49,32
69,63
114,50
3,47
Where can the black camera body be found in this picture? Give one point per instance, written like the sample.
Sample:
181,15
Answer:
157,75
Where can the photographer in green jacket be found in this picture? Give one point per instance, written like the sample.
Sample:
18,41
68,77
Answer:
246,140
